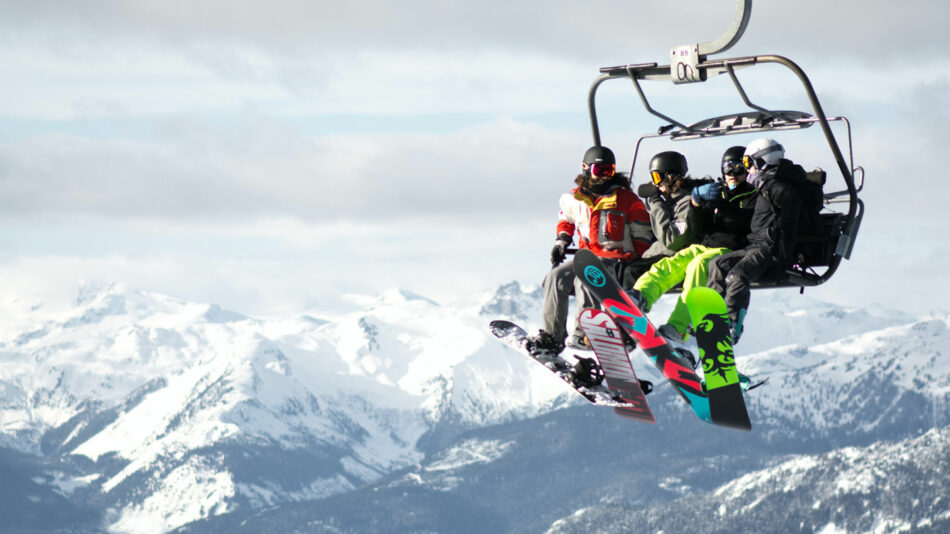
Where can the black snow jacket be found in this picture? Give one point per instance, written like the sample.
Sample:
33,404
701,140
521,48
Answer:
725,223
777,206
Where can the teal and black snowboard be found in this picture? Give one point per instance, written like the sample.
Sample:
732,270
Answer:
708,312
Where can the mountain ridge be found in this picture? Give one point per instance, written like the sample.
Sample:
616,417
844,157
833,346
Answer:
137,402
877,488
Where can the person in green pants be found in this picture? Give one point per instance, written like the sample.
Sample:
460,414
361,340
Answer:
721,212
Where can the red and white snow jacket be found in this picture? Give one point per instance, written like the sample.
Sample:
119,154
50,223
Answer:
613,225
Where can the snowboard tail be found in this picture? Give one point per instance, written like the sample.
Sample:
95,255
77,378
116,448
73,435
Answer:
607,342
708,313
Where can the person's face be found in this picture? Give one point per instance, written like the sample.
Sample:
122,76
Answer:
735,173
662,181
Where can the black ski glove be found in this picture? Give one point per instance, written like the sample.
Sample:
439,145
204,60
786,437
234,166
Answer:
647,190
560,249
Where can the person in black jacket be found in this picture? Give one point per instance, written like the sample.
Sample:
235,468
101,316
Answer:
772,234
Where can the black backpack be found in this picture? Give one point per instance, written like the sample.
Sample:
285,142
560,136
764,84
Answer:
809,247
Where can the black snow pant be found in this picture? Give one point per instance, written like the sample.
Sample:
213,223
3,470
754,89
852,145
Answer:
731,275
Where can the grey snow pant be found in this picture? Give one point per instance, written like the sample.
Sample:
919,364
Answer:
559,284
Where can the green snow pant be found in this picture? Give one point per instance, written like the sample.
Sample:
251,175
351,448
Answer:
689,266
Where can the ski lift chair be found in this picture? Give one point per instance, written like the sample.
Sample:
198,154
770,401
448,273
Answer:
689,64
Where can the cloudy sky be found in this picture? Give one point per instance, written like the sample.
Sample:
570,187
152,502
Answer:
271,156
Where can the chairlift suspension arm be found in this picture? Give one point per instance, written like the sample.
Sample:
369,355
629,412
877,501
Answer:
846,172
732,34
653,71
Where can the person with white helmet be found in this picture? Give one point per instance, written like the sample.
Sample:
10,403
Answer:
610,220
773,230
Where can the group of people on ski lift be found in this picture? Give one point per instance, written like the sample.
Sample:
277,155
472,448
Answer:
724,234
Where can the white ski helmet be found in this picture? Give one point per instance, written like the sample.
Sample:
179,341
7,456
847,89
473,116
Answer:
763,153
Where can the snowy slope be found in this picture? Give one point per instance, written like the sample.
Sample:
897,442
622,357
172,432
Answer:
159,393
161,412
896,374
887,487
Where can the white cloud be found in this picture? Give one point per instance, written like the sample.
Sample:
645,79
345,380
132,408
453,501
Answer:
142,82
225,150
276,265
119,82
261,166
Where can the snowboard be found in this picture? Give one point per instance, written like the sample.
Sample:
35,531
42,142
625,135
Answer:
516,337
615,301
607,342
707,311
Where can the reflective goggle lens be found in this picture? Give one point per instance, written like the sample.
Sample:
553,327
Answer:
602,170
749,162
659,176
733,167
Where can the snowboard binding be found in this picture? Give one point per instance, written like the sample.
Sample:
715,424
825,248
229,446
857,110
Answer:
646,386
587,373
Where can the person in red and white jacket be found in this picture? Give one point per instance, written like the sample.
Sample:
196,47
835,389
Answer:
610,220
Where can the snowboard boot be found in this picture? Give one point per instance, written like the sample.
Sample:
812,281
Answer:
735,326
676,341
670,332
744,382
628,342
637,297
545,344
578,340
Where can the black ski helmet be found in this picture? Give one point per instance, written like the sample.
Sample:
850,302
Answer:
669,162
733,154
599,154
732,162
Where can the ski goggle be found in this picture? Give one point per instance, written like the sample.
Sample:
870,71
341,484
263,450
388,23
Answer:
659,176
751,162
602,170
730,168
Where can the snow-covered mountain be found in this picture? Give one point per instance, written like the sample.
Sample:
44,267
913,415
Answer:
169,411
142,413
886,487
